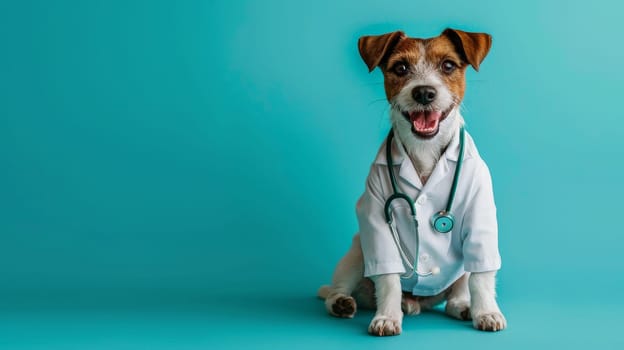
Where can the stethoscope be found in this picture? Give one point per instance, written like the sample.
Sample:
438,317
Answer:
442,221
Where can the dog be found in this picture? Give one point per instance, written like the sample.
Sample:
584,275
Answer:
424,82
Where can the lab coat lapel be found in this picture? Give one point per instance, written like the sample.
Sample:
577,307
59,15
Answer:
439,172
442,168
409,174
406,170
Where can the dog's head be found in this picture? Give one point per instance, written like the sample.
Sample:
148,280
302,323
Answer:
424,78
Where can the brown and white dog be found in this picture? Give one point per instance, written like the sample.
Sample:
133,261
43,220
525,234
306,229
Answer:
424,82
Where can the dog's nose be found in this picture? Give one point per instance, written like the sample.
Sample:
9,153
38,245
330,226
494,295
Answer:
424,94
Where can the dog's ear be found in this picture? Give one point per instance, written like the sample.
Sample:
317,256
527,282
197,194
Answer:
374,48
473,46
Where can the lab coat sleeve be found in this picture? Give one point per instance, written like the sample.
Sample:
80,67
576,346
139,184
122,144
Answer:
380,252
480,228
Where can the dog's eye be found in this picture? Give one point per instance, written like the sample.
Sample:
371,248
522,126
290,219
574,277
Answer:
400,69
448,66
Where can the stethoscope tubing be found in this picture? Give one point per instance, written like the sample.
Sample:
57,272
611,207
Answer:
446,214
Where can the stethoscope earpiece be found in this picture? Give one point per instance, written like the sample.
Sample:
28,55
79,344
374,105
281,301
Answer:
443,221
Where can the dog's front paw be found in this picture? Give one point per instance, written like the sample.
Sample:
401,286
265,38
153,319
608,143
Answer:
458,309
491,322
384,326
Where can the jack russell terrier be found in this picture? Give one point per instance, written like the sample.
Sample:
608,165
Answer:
424,81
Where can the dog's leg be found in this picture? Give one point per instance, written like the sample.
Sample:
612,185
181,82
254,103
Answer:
389,317
410,304
364,294
349,272
458,300
430,302
486,314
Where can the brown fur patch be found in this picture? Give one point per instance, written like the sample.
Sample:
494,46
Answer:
440,49
472,46
436,51
462,48
406,51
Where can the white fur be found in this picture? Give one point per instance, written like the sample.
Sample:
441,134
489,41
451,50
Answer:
425,153
486,314
458,300
389,317
348,274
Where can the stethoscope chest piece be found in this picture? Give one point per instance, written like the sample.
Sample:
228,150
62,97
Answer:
443,221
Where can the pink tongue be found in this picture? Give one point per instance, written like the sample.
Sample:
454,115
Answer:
425,121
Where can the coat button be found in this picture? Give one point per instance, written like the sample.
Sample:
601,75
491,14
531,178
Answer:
421,200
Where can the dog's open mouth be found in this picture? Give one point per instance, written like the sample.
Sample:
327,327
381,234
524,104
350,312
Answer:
426,124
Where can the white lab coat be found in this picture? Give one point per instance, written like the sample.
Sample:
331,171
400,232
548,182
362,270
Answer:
471,246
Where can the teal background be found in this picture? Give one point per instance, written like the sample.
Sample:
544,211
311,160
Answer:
184,174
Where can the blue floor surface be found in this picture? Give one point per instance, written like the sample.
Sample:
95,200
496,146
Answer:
295,322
